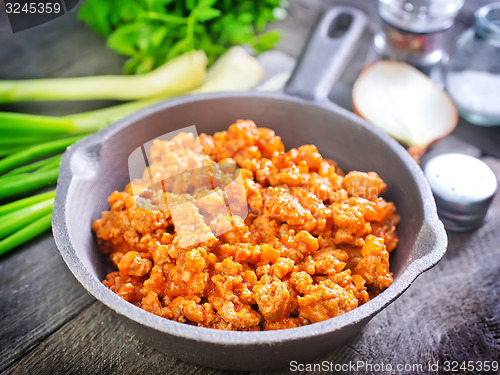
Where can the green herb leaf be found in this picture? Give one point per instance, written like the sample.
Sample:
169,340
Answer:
207,14
95,13
151,32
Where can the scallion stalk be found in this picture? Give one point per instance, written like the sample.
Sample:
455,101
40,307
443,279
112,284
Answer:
15,126
51,163
177,76
18,219
36,152
20,141
38,165
25,202
11,149
27,233
11,186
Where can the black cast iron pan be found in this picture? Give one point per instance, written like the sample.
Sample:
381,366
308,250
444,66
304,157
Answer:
96,166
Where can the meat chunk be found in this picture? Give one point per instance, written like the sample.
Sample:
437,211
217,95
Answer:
326,300
366,185
274,298
374,265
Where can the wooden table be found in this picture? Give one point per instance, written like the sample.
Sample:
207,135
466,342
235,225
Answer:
49,324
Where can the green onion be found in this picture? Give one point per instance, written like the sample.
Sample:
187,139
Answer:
8,150
15,126
27,233
19,219
11,186
25,202
20,124
177,76
20,141
51,163
38,165
36,152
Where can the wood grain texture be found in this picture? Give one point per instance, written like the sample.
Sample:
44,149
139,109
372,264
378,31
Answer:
38,295
104,347
48,323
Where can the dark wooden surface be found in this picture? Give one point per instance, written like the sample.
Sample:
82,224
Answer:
49,324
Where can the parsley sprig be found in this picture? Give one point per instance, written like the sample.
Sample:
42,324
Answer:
152,32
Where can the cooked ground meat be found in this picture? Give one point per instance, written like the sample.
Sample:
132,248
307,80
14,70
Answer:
308,244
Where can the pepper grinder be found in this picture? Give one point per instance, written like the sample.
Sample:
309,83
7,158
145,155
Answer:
415,31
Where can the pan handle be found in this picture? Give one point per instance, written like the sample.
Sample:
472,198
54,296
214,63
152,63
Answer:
330,48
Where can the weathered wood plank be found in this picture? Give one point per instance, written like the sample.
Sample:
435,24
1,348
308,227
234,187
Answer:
96,342
38,295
